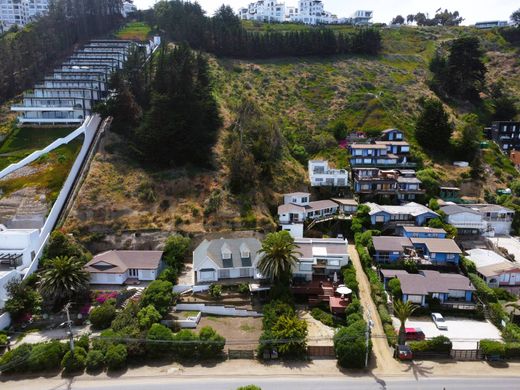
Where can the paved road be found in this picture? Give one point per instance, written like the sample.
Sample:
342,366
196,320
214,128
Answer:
382,355
312,383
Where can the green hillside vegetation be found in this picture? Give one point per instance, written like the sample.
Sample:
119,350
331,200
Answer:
134,31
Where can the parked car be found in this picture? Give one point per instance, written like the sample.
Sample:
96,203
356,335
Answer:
439,321
403,352
414,334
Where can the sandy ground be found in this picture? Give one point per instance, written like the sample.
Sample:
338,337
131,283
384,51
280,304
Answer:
463,333
318,333
240,332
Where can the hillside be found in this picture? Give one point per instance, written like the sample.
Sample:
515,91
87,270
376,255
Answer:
309,98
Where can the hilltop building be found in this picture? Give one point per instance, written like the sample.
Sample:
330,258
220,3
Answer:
322,175
21,12
307,12
507,135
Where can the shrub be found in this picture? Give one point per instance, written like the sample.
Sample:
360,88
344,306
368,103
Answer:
350,347
394,286
45,356
354,307
322,316
354,317
349,278
95,360
211,344
390,333
148,316
294,333
160,338
74,362
243,288
126,318
175,249
115,357
215,290
483,290
383,313
159,294
503,295
512,350
274,310
16,360
169,274
3,340
439,344
185,344
497,314
249,387
102,316
468,266
492,348
83,342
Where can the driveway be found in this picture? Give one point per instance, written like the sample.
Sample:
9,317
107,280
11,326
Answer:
381,351
463,333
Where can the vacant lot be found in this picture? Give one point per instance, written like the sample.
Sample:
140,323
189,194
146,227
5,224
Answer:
240,332
464,333
25,140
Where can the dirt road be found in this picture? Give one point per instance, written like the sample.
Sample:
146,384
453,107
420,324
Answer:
382,359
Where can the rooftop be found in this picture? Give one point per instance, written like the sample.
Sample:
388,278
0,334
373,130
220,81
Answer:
346,202
411,208
390,243
234,246
115,261
311,247
422,229
438,245
428,282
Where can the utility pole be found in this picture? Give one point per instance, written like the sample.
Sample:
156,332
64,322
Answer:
367,336
69,324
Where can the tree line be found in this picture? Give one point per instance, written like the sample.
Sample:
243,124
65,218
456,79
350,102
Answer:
441,18
29,52
223,34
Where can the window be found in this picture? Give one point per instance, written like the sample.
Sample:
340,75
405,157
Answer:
305,266
133,272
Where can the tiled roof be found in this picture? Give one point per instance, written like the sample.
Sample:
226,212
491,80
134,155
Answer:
120,261
438,245
391,243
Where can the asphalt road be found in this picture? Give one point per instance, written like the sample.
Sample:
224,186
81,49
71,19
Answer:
303,383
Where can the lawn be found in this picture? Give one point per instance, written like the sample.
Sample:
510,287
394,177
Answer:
25,140
135,31
52,171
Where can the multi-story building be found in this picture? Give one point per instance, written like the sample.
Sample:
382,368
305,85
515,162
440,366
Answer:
68,95
308,12
409,214
491,24
321,175
396,185
361,18
21,12
507,135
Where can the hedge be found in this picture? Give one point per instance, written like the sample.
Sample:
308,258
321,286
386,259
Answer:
116,357
512,350
492,348
322,316
74,362
439,344
484,292
95,360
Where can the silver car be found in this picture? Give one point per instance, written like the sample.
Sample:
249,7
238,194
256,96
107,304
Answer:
439,321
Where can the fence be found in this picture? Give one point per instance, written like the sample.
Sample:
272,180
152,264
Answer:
217,310
241,354
179,289
321,351
466,354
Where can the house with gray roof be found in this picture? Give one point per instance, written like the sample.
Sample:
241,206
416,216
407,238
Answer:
124,267
320,257
450,289
226,258
480,219
496,270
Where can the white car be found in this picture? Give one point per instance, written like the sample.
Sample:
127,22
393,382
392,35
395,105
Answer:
439,321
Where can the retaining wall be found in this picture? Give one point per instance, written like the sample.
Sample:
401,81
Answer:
216,310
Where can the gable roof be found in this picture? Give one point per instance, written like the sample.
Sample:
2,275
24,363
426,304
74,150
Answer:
320,247
423,229
456,209
412,208
438,245
116,261
345,202
213,250
490,263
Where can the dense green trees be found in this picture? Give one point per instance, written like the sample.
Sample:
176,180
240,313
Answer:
61,244
102,316
433,128
22,299
159,294
224,35
515,17
350,345
29,52
441,18
462,74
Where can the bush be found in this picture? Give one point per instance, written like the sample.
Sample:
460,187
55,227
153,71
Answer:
185,344
492,348
45,356
354,307
390,333
439,344
3,340
249,387
468,267
384,314
215,290
160,338
394,286
169,274
243,288
512,350
148,316
83,342
349,345
74,362
497,314
116,357
95,360
211,344
322,316
503,295
102,316
354,317
349,278
483,290
159,294
16,360
175,250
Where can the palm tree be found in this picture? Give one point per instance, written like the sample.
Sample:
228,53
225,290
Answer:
279,256
515,306
403,310
63,278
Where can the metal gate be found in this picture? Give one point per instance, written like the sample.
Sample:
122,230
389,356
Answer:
465,354
321,351
241,354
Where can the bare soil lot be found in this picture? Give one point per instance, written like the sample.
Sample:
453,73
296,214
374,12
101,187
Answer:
240,332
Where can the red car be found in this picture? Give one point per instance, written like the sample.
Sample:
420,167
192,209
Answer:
403,352
414,334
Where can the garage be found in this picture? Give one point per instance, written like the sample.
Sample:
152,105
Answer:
207,275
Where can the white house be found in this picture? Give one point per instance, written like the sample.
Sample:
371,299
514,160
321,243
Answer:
320,257
21,12
226,259
321,175
307,12
496,270
298,208
18,248
124,267
484,219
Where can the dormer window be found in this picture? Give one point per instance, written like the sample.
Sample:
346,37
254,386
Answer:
245,253
226,252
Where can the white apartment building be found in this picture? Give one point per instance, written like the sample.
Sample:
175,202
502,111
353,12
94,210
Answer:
480,219
307,11
321,175
21,12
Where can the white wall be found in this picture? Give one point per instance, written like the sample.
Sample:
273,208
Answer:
295,229
216,310
146,274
